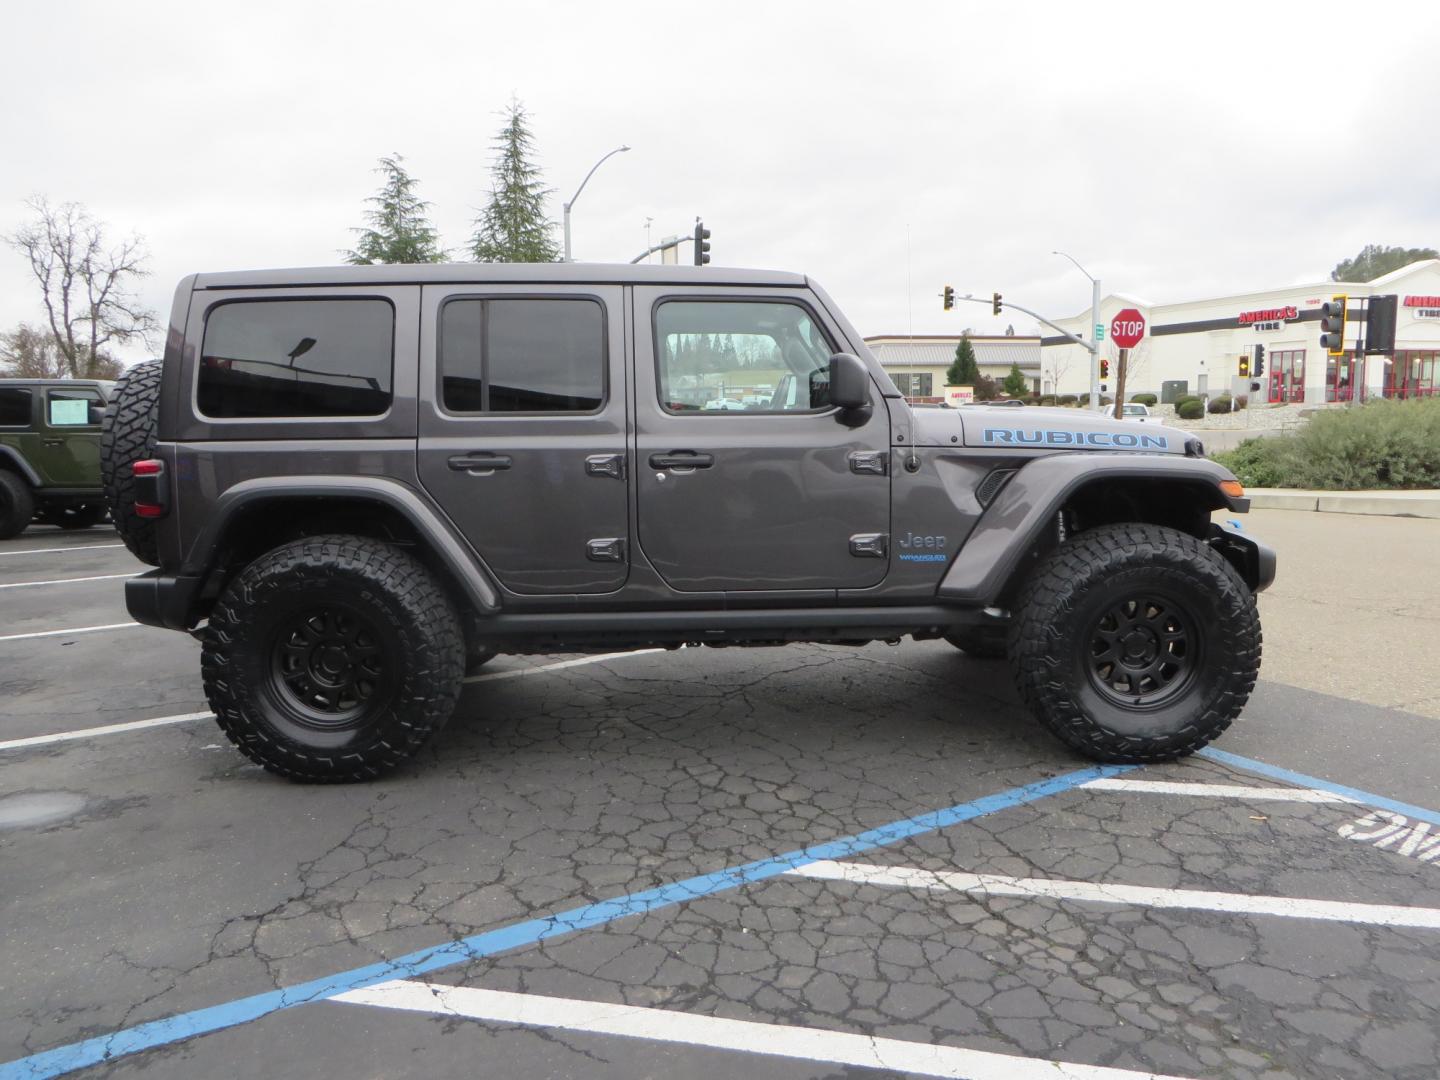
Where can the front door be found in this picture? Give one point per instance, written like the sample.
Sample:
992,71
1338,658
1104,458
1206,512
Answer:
746,478
523,431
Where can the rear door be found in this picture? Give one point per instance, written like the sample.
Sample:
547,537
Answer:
523,437
747,479
68,454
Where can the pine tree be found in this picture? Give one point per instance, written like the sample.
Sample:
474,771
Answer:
399,230
513,228
964,371
1015,383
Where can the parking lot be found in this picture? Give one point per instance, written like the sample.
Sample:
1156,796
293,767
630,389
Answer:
812,861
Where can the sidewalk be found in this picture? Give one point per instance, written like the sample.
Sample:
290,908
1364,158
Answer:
1421,504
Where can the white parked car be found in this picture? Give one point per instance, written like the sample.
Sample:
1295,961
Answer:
1133,410
724,404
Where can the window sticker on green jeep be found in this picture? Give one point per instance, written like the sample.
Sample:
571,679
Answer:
74,408
284,358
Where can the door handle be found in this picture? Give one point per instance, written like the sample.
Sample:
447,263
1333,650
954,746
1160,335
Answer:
53,442
478,462
681,459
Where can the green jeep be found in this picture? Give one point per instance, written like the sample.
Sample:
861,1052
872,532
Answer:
50,453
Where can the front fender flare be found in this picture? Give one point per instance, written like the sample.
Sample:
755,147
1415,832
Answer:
23,467
1029,502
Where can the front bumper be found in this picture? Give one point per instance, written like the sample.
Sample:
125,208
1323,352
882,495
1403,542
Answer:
1254,560
160,599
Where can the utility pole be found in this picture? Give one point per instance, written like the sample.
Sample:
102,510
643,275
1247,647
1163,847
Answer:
1093,333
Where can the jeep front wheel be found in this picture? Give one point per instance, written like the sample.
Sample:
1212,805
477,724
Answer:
332,659
1136,643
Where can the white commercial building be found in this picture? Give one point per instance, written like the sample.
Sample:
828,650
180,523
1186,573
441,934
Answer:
1197,346
917,363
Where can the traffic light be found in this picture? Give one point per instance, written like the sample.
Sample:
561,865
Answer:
949,295
1104,368
1244,366
995,304
1380,324
1332,326
1258,368
702,243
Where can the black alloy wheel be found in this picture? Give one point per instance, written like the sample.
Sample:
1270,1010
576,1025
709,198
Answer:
1143,651
330,663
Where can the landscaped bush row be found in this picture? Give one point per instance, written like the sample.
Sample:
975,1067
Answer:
1385,444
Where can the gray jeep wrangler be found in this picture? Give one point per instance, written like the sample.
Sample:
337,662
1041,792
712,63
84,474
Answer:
357,481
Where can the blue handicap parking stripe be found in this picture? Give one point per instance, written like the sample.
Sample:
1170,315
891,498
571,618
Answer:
172,1029
1418,813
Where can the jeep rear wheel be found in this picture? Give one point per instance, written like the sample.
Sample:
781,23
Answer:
332,659
128,436
1136,643
17,505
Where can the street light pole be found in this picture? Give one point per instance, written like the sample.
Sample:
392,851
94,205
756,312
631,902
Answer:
1094,322
568,205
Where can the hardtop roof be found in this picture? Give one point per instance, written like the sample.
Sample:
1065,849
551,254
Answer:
498,274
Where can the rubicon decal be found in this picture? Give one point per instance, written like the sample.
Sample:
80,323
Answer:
1045,437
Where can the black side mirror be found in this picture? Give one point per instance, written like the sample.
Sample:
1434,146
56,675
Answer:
849,382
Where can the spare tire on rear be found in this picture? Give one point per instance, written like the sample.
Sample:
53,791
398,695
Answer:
127,437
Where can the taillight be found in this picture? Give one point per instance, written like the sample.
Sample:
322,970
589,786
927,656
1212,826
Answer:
152,493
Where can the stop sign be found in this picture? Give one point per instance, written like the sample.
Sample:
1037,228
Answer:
1127,328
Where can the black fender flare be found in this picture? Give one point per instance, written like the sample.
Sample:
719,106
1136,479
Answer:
446,543
1028,504
23,467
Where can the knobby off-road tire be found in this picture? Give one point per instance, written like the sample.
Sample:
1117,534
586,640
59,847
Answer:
128,436
1135,643
17,504
332,659
981,644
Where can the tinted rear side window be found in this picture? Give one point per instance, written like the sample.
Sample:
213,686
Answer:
526,355
74,408
266,358
14,407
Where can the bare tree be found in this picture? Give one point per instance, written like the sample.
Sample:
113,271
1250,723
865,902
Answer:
28,352
86,284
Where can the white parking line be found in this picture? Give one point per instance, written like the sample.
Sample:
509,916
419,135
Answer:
77,547
107,729
516,673
1218,791
63,633
65,581
1135,895
161,721
714,1032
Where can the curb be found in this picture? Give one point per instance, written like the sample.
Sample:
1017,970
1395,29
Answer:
1413,504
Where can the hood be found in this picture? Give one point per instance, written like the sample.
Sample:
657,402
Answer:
1033,428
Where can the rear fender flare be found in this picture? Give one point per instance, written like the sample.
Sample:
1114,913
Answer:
447,544
22,466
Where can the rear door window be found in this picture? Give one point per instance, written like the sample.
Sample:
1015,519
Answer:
297,358
522,355
73,408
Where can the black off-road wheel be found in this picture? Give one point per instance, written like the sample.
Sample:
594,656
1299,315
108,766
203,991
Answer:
983,644
128,436
17,504
332,659
1136,643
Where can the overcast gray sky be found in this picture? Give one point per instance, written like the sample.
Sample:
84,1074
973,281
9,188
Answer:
1178,151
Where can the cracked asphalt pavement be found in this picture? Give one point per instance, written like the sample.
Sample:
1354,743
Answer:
508,904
